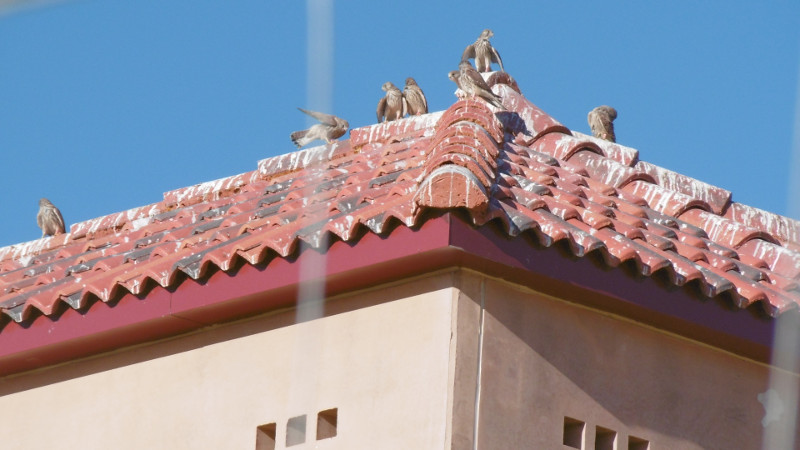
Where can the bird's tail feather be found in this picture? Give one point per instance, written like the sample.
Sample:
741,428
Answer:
297,138
495,100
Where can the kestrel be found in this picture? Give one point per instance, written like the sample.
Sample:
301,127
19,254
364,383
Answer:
392,106
329,128
453,75
601,120
472,83
49,219
483,52
415,98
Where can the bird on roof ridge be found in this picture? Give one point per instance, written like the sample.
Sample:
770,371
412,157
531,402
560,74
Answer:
50,219
415,99
483,52
601,121
329,128
473,85
391,106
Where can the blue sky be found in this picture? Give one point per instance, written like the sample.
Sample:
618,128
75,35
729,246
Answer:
106,104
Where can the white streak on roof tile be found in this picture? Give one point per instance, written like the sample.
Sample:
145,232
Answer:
784,228
620,153
290,162
23,252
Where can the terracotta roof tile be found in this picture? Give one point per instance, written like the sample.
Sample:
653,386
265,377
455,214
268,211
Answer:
519,168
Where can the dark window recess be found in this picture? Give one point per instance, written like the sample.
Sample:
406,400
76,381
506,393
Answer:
605,439
326,423
573,432
296,430
635,443
265,437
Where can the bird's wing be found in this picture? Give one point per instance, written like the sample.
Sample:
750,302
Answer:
496,58
477,79
596,123
381,111
327,119
420,96
59,219
469,52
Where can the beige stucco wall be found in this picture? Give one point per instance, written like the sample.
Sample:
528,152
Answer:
407,366
384,367
544,359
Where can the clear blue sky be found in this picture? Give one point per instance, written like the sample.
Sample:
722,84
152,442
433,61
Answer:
106,104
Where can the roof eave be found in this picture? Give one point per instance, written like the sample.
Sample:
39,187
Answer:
440,243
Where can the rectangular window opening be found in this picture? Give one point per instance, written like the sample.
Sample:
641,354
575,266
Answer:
605,439
265,436
573,432
635,443
296,430
326,423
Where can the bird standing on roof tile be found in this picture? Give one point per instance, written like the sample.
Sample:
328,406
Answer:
601,120
392,106
329,128
49,219
415,98
483,52
472,83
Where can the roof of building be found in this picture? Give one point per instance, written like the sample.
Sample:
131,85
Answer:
519,169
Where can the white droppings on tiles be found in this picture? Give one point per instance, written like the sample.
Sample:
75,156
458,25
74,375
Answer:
784,228
620,153
668,179
139,223
772,254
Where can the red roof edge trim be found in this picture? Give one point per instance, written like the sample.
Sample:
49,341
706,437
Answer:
440,242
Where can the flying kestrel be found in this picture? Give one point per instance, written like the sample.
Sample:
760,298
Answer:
392,106
601,120
483,52
49,219
415,98
329,128
472,83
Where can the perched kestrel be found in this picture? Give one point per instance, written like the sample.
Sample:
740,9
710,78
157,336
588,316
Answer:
392,106
453,75
49,219
329,128
601,120
483,52
415,98
472,83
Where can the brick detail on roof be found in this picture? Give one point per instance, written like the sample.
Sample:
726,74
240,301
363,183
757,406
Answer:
461,165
